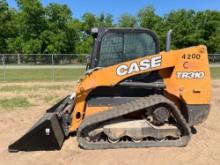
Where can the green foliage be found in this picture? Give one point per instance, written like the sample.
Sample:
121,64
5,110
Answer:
6,25
12,103
215,72
85,45
104,20
33,28
148,19
127,20
184,31
208,23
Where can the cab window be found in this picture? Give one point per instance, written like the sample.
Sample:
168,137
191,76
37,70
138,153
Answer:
119,47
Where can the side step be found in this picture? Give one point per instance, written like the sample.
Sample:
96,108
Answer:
49,132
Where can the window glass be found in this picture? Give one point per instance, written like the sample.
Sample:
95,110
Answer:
111,50
119,47
138,45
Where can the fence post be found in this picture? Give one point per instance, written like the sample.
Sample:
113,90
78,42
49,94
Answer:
53,69
19,59
4,67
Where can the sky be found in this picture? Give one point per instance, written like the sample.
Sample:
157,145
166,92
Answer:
118,7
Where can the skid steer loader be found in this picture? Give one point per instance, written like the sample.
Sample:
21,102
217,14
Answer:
132,95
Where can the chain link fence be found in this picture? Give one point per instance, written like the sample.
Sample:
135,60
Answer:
214,58
42,59
41,66
30,67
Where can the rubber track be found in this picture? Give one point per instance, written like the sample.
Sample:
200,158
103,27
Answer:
91,123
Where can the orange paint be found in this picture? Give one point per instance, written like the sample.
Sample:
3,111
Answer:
188,90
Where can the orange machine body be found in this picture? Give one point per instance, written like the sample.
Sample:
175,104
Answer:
132,95
185,73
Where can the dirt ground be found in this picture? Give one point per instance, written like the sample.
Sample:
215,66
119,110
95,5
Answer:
204,147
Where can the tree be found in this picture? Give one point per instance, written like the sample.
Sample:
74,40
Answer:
104,20
148,19
33,28
127,20
184,31
7,27
60,35
32,18
57,15
32,23
88,22
84,46
208,25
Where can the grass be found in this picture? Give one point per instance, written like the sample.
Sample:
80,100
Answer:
22,75
49,98
16,102
22,88
215,72
13,88
17,75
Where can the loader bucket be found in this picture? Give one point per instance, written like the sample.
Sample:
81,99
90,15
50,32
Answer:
47,134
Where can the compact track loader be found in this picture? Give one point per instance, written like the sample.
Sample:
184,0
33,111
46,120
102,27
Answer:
132,95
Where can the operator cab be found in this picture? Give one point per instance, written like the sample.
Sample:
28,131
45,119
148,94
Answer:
116,45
